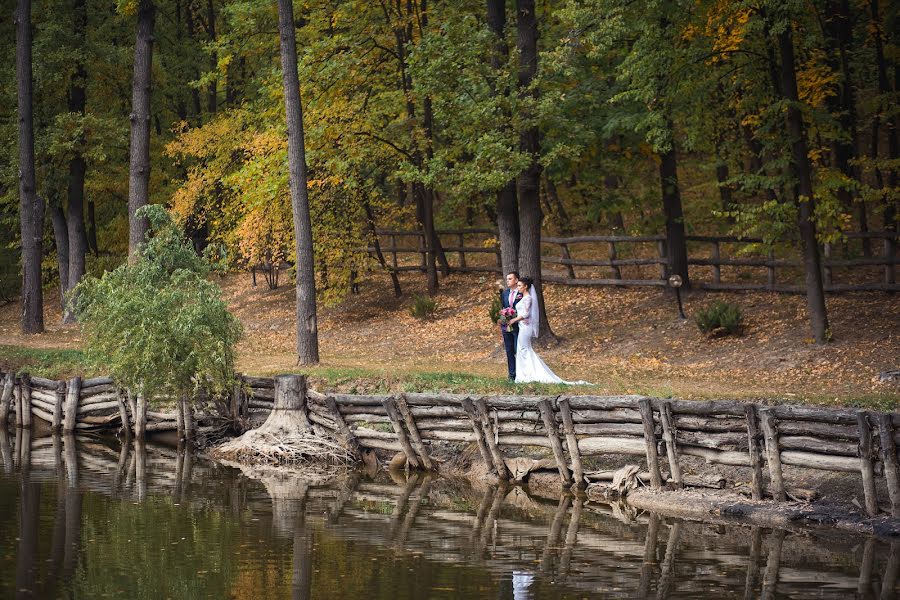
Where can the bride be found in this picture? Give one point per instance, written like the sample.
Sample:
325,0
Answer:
529,366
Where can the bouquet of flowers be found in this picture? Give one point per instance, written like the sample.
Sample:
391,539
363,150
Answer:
506,315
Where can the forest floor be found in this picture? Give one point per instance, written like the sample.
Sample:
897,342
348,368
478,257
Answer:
626,340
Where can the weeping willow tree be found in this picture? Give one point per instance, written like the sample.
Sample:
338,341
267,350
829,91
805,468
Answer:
158,326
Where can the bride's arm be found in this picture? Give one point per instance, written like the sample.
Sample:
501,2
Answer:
526,304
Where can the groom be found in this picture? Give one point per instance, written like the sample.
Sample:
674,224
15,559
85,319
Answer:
508,299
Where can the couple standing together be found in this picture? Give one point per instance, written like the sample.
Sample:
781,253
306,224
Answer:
522,361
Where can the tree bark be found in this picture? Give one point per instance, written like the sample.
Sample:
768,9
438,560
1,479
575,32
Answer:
803,191
139,169
884,87
31,207
92,229
676,239
61,237
507,201
307,326
528,184
77,169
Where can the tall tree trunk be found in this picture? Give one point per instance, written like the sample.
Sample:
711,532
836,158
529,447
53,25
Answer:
676,240
725,191
61,237
507,201
213,59
77,168
529,180
31,207
92,229
139,170
884,88
802,170
307,326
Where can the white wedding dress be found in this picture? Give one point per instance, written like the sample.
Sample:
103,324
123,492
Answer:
529,366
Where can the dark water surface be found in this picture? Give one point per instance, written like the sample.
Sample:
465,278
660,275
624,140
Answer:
91,518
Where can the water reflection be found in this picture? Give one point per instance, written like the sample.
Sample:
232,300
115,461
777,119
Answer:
85,517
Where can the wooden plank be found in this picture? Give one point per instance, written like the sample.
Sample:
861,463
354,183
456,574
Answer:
553,436
773,454
867,463
753,435
572,443
650,441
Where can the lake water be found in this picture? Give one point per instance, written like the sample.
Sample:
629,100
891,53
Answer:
91,518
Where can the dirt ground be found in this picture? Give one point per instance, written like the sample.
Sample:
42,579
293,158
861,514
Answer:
626,340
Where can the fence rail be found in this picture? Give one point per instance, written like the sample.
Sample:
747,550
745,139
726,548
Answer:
608,256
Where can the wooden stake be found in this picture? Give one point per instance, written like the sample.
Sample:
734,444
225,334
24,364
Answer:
889,458
70,411
391,407
349,439
56,424
572,443
123,413
140,421
866,463
549,419
669,435
469,408
756,487
23,419
189,424
773,454
650,441
489,436
6,395
179,416
417,442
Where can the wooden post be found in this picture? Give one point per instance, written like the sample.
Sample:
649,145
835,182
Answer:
664,263
669,435
462,254
770,270
349,439
417,442
867,463
565,254
756,487
56,425
715,260
489,436
70,413
140,419
391,407
23,419
549,419
613,257
572,443
773,454
889,458
123,413
188,411
650,440
6,395
479,434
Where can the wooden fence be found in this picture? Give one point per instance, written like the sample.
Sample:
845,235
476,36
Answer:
570,427
598,260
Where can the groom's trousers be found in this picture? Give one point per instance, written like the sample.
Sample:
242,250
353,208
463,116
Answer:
509,343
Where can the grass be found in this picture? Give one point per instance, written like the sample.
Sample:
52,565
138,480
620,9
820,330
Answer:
52,363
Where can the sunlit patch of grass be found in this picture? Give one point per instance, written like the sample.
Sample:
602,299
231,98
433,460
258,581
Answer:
53,363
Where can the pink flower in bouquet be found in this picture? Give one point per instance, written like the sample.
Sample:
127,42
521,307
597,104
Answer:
506,315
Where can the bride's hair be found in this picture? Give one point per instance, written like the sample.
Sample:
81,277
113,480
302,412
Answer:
528,281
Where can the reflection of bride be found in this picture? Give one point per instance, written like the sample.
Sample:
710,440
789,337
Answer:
529,366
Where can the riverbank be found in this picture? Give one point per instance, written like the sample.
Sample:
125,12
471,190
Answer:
626,340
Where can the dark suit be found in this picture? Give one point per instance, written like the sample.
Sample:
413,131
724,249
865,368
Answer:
509,337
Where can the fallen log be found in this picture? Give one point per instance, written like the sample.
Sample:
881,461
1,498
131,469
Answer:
269,404
97,389
41,413
822,462
98,406
611,429
367,418
791,412
719,441
818,446
710,424
323,421
43,383
38,394
723,408
362,410
620,415
97,399
602,402
92,382
161,416
259,382
721,457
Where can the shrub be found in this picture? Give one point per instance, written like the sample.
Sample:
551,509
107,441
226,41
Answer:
423,307
159,325
721,318
495,310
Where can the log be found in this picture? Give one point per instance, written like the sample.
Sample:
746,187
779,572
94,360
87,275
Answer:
820,461
351,400
261,394
889,459
59,401
811,444
362,410
99,420
348,438
47,396
811,413
367,418
612,429
259,382
267,404
572,442
318,419
718,408
416,439
382,444
161,416
97,390
70,411
93,382
43,414
190,426
365,432
450,436
23,417
821,430
123,412
5,398
719,441
490,437
577,403
478,433
553,436
161,426
622,415
646,409
866,463
424,424
97,399
44,406
717,456
709,424
589,446
140,418
113,404
773,455
753,438
669,434
42,383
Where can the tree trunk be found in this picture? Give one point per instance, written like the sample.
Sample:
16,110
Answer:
31,207
307,326
507,201
92,229
529,181
884,88
61,237
803,191
213,58
77,169
676,241
139,169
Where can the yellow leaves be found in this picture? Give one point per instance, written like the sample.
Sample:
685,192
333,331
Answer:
726,28
816,82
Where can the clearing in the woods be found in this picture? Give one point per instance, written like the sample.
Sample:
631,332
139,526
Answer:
626,340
